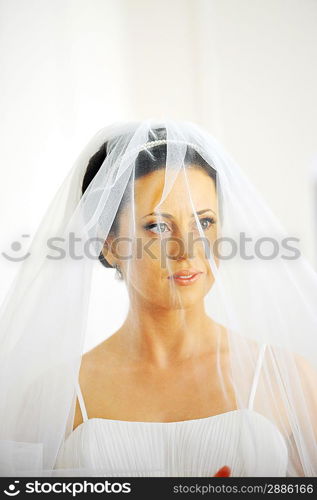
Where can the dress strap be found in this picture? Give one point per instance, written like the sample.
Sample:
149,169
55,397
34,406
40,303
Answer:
256,376
81,402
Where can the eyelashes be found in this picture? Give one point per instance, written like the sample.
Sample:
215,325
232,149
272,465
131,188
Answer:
163,226
210,220
151,227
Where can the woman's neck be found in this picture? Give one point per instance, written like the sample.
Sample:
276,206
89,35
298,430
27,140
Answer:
161,336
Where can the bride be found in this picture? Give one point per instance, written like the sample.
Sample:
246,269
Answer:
211,369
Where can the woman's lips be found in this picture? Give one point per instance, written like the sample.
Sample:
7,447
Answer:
185,276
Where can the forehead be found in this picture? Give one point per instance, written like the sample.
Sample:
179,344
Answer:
183,191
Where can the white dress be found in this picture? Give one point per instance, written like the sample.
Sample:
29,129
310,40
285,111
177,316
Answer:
246,441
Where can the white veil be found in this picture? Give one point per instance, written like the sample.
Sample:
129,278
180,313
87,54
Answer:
250,293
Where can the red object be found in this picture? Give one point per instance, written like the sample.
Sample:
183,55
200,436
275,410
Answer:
225,471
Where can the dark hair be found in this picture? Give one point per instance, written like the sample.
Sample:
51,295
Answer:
145,163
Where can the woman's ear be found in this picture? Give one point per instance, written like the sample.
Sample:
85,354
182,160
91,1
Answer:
107,251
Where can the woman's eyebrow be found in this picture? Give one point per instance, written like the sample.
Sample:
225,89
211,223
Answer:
169,216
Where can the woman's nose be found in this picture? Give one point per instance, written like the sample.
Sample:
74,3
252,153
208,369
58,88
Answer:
185,250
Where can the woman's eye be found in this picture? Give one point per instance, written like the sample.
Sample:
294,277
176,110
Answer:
157,227
162,227
206,222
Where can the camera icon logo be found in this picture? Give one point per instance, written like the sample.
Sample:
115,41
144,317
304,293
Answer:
12,490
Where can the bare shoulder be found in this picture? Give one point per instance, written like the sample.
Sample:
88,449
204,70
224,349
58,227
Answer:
301,371
305,367
301,381
308,378
102,360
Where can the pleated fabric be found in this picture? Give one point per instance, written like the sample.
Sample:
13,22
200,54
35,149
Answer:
246,441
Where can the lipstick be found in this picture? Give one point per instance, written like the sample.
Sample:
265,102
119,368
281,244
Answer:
185,276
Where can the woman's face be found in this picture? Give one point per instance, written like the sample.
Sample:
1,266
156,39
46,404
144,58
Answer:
168,241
